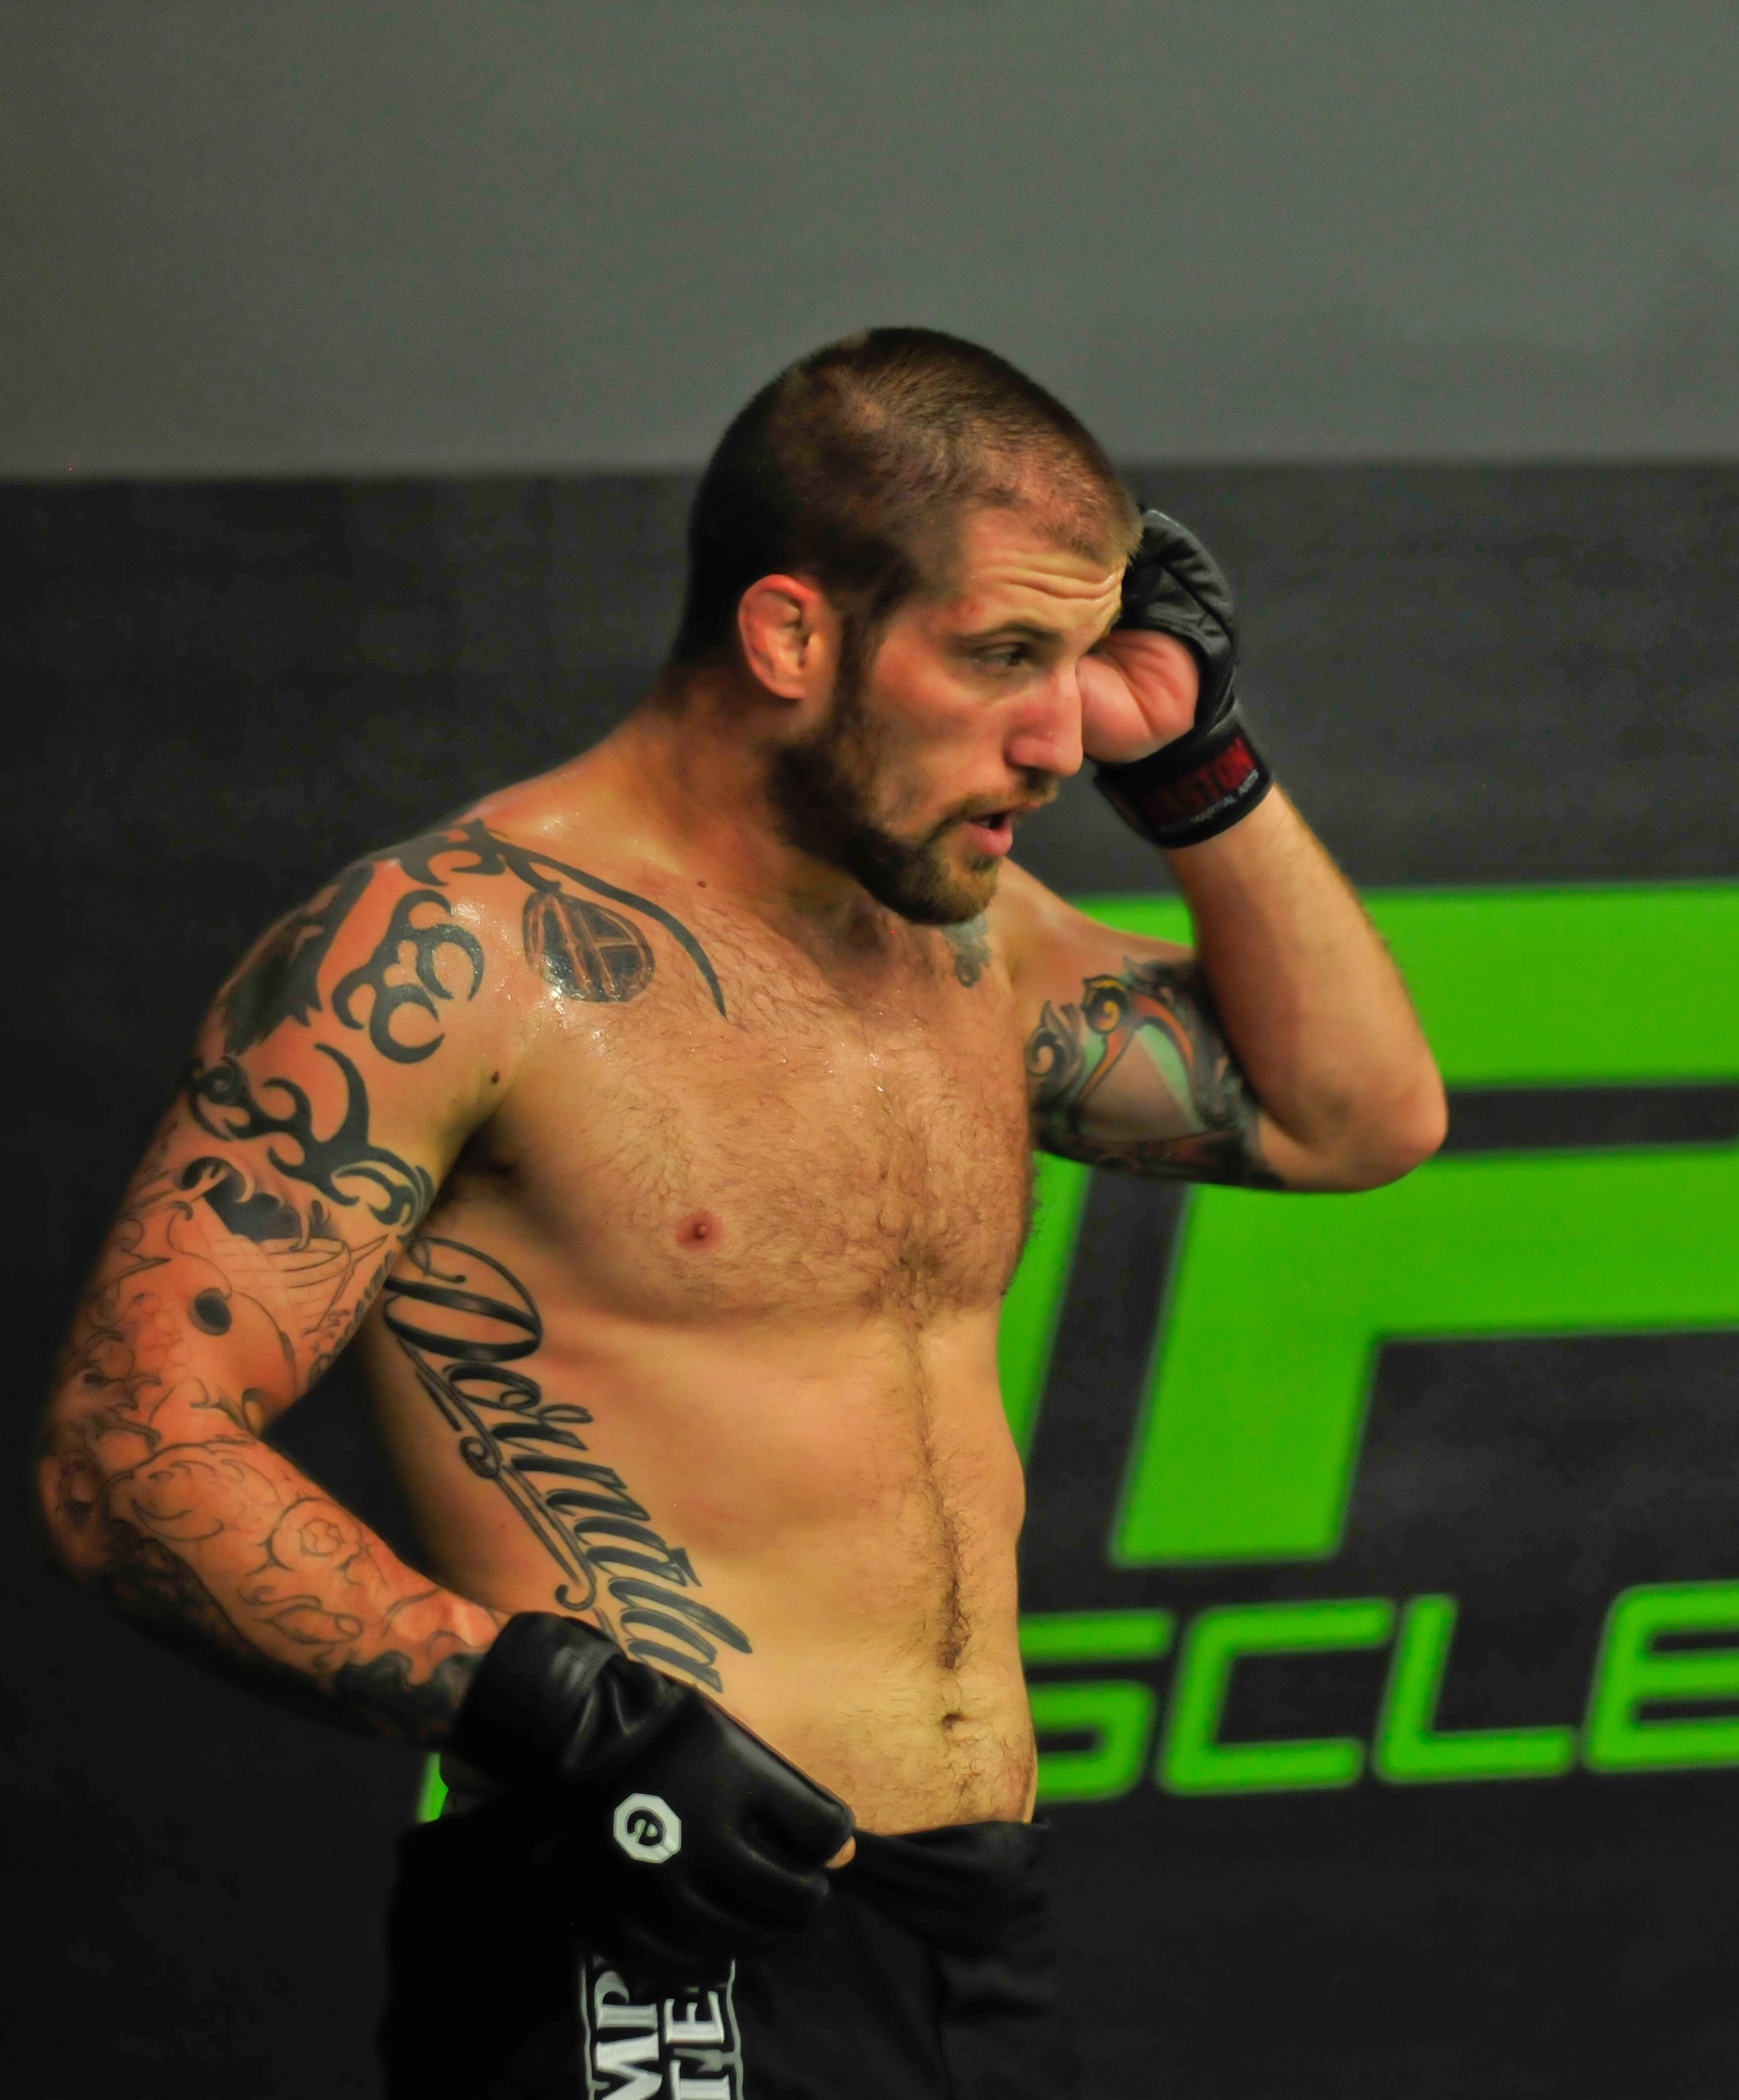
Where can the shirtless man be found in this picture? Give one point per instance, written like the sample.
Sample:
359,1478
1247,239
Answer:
661,1128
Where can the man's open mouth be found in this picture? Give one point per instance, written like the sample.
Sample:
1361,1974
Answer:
993,833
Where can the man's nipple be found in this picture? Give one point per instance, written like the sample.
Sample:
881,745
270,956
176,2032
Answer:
700,1229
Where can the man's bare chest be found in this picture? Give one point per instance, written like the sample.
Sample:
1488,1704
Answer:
801,1154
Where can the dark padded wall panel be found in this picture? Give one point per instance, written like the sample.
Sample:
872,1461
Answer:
219,692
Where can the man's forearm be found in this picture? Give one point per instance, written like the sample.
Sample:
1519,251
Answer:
209,1540
1311,1002
227,1553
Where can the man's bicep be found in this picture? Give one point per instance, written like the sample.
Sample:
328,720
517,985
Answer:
224,1289
1127,1061
252,1241
315,1122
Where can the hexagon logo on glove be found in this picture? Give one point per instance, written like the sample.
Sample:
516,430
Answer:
647,1829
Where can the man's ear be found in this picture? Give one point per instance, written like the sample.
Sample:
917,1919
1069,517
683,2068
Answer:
791,637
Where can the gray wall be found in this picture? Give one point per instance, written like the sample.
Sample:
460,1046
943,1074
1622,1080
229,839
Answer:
283,237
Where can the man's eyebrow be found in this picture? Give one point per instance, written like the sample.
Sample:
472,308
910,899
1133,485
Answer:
1026,630
1032,630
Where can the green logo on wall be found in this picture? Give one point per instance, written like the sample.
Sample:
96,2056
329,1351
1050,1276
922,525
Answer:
1247,1440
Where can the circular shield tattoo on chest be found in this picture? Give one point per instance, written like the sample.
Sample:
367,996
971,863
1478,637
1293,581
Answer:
585,951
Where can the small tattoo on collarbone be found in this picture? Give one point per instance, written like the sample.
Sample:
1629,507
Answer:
971,944
591,948
584,949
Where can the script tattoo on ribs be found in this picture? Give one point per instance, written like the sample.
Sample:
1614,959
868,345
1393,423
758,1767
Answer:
466,1323
1092,1070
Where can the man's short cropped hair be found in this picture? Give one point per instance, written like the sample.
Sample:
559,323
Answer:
856,466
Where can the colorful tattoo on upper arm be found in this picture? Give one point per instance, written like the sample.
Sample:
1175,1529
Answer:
1089,1099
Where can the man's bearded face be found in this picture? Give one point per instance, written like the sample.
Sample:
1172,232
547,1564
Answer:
832,794
954,721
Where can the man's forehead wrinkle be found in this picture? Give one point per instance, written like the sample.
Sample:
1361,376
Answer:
1036,588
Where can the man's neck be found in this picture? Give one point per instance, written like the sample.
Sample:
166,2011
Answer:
690,774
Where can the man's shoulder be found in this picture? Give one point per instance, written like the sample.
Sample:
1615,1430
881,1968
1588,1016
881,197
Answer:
379,949
560,888
1025,912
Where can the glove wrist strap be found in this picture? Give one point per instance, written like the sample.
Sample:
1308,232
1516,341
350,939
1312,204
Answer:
528,1699
1191,790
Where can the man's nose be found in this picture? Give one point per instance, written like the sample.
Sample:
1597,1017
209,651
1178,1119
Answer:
1047,739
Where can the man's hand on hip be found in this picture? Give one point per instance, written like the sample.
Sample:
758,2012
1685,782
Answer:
690,1838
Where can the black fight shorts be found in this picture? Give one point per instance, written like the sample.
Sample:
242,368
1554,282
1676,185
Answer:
928,1976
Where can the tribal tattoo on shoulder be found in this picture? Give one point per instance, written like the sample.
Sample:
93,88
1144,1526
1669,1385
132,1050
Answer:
591,947
225,1104
282,981
425,941
467,1325
584,949
1145,1048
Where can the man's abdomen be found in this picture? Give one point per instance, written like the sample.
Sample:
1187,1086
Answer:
816,1521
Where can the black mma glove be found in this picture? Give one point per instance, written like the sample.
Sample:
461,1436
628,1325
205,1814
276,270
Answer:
1202,783
684,1839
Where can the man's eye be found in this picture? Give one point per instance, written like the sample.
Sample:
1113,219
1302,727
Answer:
1006,657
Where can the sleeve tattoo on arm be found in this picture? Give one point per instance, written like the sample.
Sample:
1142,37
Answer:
1145,1047
466,1322
224,1103
197,1531
163,1489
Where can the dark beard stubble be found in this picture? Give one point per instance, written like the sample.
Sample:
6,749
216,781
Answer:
821,790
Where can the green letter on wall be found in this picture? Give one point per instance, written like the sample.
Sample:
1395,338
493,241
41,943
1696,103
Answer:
1116,1713
1631,1674
1411,1749
1195,1761
1249,1433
